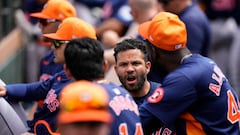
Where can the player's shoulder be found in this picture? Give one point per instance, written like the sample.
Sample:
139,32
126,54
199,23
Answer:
113,87
196,62
191,70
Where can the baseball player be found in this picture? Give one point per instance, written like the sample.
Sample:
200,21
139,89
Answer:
195,95
49,89
49,19
85,61
132,66
197,25
84,110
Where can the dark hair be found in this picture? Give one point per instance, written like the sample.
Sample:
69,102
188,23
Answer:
131,44
84,58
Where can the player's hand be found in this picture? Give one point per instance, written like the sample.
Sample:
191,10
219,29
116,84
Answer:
3,91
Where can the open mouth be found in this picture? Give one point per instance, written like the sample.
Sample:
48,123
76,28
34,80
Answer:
131,79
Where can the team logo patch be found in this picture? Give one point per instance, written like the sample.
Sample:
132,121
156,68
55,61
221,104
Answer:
156,96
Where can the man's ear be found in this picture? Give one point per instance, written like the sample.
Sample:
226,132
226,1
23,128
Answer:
105,66
148,66
68,72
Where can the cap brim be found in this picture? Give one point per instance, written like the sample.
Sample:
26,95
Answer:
85,116
143,29
39,15
53,36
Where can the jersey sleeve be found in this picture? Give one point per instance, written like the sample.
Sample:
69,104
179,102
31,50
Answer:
169,101
29,92
150,123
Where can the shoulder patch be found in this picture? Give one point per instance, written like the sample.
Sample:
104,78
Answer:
156,96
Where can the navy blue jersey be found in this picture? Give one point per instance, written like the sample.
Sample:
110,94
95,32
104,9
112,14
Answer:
124,110
166,130
48,67
48,91
153,86
198,29
197,98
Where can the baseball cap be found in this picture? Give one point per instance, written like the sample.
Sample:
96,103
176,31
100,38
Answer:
84,101
56,9
165,31
72,28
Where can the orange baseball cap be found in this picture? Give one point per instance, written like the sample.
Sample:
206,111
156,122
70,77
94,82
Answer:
72,28
165,31
56,9
84,101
